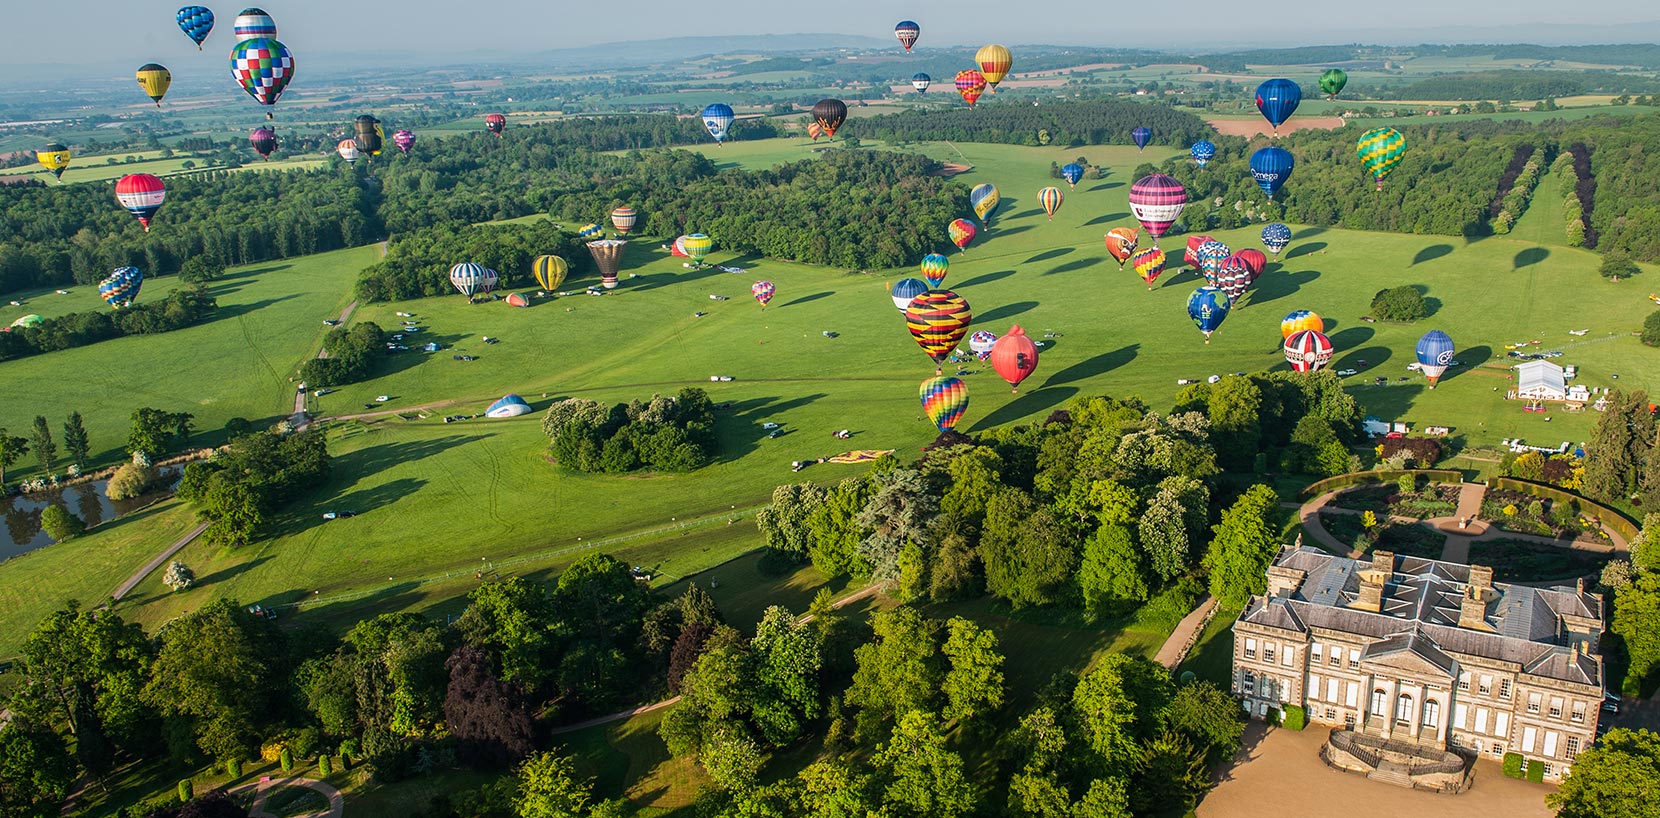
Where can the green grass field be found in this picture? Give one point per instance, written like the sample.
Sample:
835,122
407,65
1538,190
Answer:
96,169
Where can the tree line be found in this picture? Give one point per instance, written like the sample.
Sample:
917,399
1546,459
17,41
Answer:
238,489
183,307
1085,122
668,434
417,263
352,353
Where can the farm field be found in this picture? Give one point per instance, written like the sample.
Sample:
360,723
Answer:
94,169
435,498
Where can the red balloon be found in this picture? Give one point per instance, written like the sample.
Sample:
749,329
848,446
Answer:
1254,260
1014,356
1191,254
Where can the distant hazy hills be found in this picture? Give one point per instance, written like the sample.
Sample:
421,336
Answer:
645,52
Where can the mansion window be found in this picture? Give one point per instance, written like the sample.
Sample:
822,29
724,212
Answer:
1250,648
1579,712
1573,747
1486,685
1403,708
1497,748
1316,651
1289,656
1380,702
1268,652
1547,769
1354,659
1331,715
1432,713
1336,656
1313,685
1533,702
1556,708
1248,683
1504,688
1463,681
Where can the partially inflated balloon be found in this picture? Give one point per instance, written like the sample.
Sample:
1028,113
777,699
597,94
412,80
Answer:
907,31
141,194
1141,136
591,230
994,61
815,130
1380,150
1148,264
934,267
1308,350
938,319
1207,306
263,67
906,289
470,278
984,198
981,343
961,231
1014,356
1254,259
1050,199
1157,200
1203,151
347,150
607,255
263,140
55,158
1277,100
698,247
495,123
624,219
678,248
252,24
1435,353
404,139
1072,173
1191,255
970,85
830,114
1121,243
717,118
921,81
1298,320
549,271
1271,167
1276,237
196,22
120,289
1332,81
944,400
155,80
762,290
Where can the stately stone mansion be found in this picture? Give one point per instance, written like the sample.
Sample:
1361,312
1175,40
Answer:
1424,657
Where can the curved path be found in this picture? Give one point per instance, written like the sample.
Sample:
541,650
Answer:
337,802
132,582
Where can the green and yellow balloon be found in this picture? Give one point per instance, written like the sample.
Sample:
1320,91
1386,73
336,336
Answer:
1380,150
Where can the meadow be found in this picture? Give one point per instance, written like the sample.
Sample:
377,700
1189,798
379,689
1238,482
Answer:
439,502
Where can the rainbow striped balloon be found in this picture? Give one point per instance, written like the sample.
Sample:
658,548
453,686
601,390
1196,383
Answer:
1050,198
1298,320
944,400
1149,264
623,218
934,267
938,319
961,231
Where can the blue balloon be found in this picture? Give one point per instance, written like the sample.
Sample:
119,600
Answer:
1072,172
1435,348
1141,136
921,81
906,289
1203,151
717,118
1277,100
1271,167
196,22
1275,237
121,287
1207,306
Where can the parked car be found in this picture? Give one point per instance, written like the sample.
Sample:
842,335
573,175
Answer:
1347,372
338,515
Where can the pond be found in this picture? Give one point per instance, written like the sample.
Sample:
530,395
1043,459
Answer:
88,501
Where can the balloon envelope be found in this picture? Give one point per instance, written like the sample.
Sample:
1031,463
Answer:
970,85
196,22
550,271
984,198
624,219
1191,255
1050,198
762,290
921,81
404,139
830,114
155,80
1271,167
907,31
1140,136
141,194
1121,243
607,255
697,247
1148,264
815,130
1210,255
368,135
1233,277
981,343
906,289
1276,237
1203,151
1332,81
1072,172
264,141
253,23
938,320
934,267
1380,150
1208,306
1435,353
121,287
1254,260
471,278
592,230
1308,350
961,231
1014,356
1157,200
944,400
347,150
263,67
717,118
994,61
1277,100
1298,320
55,158
495,123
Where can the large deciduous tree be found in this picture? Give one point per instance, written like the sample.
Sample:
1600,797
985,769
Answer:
487,716
1618,775
1244,546
221,674
973,685
783,522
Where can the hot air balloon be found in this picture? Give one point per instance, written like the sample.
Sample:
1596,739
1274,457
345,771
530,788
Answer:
196,22
624,219
1298,320
762,290
1435,354
368,135
1015,357
348,150
830,114
934,267
1203,151
921,81
1271,167
1233,276
607,255
1276,237
1277,100
141,194
717,118
815,130
253,24
907,31
55,158
263,140
30,320
1254,260
1208,257
938,319
994,62
1207,306
970,85
1141,136
495,123
472,279
1380,150
591,230
120,289
944,400
1121,243
906,289
1157,200
961,231
678,248
981,343
1072,172
698,246
984,198
155,80
1332,81
1148,264
263,67
404,139
1190,256
1308,350
1050,198
549,271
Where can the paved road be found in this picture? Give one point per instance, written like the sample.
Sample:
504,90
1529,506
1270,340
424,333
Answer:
132,582
1174,649
337,802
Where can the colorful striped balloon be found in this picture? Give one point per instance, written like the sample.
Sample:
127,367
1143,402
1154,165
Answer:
1050,198
1308,350
1233,276
1380,150
607,255
1254,260
1149,264
934,267
549,271
404,139
938,319
1156,200
253,23
1121,243
762,290
961,231
470,278
970,85
624,218
944,400
907,31
591,230
697,247
994,61
1298,320
121,287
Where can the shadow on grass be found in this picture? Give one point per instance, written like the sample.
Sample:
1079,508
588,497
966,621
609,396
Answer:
1390,401
1373,356
1529,257
656,280
1468,361
1075,264
1050,254
1036,211
806,299
238,310
998,232
1108,217
1030,403
1305,249
1274,287
1098,365
738,430
1106,186
1005,311
1350,338
1431,253
987,278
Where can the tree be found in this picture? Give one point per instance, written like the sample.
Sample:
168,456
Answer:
1208,717
898,671
548,787
12,449
60,524
1244,546
46,450
1403,303
1117,704
179,576
75,442
1637,622
783,522
131,480
973,685
1164,537
83,669
787,660
919,777
219,675
1111,572
732,758
1026,550
835,532
1169,777
1106,798
1234,408
599,606
1618,775
35,770
487,716
199,269
1618,447
901,510
1651,329
1645,548
512,620
154,431
1617,265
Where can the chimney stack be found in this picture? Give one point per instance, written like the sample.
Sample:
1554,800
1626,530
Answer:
1472,609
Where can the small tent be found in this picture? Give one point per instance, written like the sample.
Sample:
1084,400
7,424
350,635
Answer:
510,406
1540,380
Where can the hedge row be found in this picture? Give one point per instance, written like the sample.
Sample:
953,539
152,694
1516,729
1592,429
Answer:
1356,478
1621,524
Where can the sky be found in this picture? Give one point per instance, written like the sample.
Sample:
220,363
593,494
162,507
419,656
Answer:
63,31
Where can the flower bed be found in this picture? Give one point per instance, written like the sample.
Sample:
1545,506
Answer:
1434,500
1526,514
1523,561
1405,539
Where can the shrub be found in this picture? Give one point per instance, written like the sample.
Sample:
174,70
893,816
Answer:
233,768
130,481
1616,266
1513,765
1409,483
60,524
1295,718
1536,771
325,766
1274,715
1651,329
286,760
179,576
185,790
1403,303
